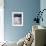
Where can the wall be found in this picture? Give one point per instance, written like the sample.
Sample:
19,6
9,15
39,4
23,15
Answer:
43,6
1,21
28,7
1,3
1,24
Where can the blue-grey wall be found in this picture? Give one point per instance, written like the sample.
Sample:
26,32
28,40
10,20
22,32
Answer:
28,7
43,6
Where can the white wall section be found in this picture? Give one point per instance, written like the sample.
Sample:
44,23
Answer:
1,20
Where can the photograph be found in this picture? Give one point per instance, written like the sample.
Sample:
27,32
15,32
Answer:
22,22
17,18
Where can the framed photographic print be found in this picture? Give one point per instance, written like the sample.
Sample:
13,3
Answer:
17,18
